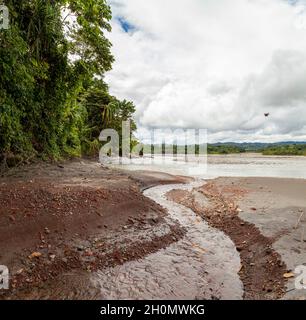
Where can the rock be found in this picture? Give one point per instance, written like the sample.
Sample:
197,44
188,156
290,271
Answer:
52,257
88,253
268,251
289,275
20,271
35,255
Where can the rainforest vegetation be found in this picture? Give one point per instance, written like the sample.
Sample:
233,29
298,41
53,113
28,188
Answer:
282,148
53,99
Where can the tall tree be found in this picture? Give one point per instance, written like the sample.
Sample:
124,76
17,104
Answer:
50,55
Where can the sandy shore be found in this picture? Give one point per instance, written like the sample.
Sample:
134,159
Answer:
280,215
265,217
64,225
60,223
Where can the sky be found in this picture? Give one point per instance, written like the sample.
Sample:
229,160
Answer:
215,65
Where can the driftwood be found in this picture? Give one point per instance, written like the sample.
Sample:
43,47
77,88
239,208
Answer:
303,234
9,162
299,220
303,228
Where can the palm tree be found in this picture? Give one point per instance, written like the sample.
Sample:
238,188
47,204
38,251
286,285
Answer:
109,112
126,108
43,27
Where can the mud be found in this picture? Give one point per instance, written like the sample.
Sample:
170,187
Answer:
78,230
280,215
59,224
262,267
204,264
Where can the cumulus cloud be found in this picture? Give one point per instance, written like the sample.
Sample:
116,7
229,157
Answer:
218,65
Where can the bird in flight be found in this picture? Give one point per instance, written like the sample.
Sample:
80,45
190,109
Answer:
267,115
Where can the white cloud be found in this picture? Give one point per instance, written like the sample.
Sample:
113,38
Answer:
213,64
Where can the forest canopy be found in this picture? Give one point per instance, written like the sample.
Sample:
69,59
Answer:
53,100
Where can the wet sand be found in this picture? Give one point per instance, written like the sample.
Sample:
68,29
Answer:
61,223
265,217
83,231
280,215
204,264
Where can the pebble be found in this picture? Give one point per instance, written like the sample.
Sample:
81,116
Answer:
52,257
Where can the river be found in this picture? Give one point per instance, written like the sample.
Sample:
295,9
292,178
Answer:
213,166
205,263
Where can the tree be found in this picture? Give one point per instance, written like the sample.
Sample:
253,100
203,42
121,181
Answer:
50,57
105,111
89,43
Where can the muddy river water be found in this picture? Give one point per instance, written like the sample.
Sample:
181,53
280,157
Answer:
213,166
205,263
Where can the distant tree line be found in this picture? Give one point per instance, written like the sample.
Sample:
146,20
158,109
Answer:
294,149
286,150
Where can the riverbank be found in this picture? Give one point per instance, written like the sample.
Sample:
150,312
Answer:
79,230
76,218
265,218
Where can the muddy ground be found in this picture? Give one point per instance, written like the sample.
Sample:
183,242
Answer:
64,224
265,218
278,209
75,217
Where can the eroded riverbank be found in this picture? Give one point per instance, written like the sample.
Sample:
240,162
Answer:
82,231
204,264
61,223
262,268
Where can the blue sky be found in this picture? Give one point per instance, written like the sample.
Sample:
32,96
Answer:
125,25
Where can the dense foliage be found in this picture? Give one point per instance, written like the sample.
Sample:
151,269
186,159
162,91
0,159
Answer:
286,150
180,149
282,148
224,149
103,111
53,102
